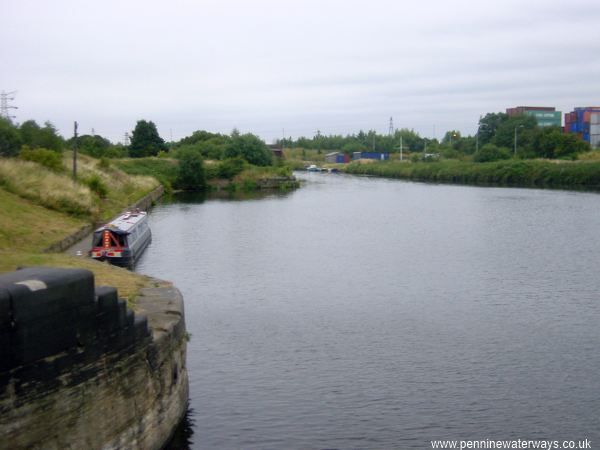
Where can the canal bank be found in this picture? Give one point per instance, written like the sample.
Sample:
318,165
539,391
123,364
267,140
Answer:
106,395
510,173
82,371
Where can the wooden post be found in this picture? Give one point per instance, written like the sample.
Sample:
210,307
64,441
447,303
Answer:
74,151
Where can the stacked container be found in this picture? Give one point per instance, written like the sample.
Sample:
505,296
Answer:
595,129
585,122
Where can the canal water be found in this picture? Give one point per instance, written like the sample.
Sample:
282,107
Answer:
376,314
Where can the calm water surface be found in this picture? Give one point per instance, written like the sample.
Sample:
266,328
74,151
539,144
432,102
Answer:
369,313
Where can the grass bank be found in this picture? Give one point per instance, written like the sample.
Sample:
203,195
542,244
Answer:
526,173
99,192
162,169
40,207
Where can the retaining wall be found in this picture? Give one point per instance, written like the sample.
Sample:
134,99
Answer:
80,370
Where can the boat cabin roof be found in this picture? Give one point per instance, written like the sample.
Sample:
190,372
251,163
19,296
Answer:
124,223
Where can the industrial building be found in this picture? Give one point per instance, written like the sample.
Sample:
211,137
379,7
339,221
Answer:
585,122
546,116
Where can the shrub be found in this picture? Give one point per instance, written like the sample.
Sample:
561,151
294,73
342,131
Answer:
47,158
95,183
230,167
104,163
489,153
191,175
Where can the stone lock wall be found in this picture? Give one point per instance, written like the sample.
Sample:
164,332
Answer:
78,369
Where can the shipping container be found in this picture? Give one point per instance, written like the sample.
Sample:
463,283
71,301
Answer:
372,155
595,128
331,157
595,118
595,140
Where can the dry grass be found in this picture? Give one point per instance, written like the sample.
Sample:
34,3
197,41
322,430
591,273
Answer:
593,155
44,187
123,189
128,283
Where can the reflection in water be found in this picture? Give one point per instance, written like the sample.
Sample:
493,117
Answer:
182,438
201,197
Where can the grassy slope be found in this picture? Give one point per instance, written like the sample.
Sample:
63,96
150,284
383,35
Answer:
26,227
163,169
43,207
123,189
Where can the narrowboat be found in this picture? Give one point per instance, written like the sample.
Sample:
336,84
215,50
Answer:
123,240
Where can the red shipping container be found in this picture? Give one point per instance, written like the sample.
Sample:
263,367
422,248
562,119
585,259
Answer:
586,117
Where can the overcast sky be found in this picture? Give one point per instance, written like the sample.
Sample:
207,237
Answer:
264,65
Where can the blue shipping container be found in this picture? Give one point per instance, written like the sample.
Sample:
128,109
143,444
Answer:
339,158
375,155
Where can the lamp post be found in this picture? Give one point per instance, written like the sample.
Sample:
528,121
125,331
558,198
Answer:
516,128
451,135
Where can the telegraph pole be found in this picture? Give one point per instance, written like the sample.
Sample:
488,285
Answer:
74,151
400,147
5,108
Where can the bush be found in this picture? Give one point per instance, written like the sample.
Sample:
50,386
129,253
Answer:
47,158
249,147
104,163
489,153
95,183
191,176
229,168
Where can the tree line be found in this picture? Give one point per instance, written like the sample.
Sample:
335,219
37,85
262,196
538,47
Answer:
494,140
145,141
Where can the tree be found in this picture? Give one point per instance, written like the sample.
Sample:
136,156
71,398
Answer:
190,176
410,139
488,125
505,133
10,141
145,140
95,145
35,136
249,147
451,138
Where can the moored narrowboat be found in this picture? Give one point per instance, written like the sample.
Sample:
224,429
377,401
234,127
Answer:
123,240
